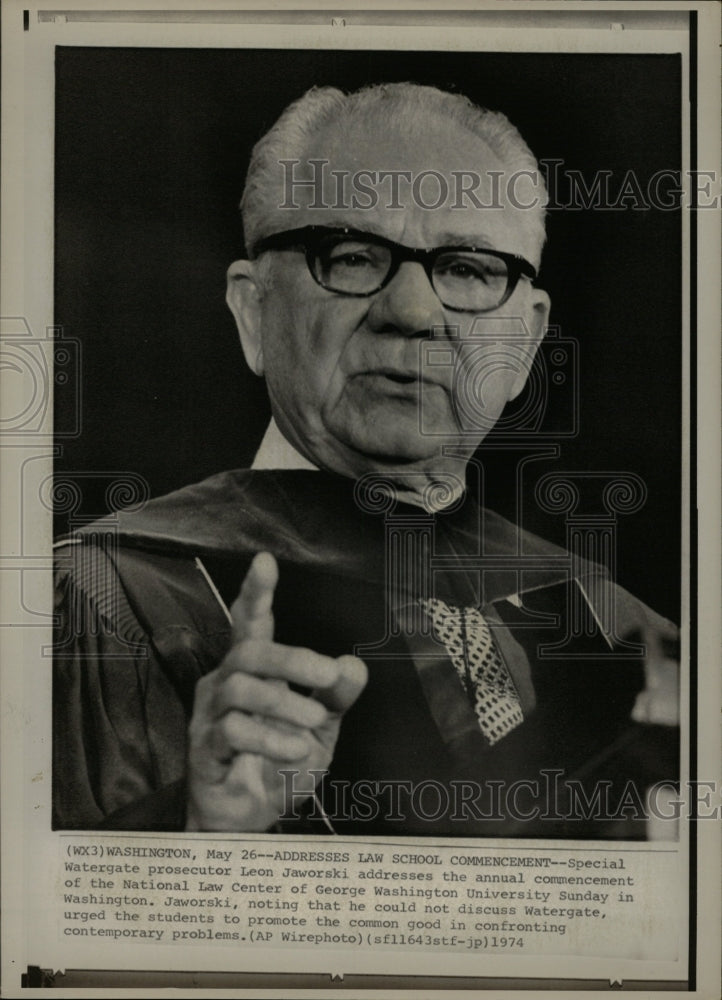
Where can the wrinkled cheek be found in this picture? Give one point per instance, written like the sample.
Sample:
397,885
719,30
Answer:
295,366
482,384
347,406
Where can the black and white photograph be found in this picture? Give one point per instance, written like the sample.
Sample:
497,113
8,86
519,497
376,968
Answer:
371,475
326,582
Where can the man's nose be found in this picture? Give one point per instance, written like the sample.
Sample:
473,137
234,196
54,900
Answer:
408,304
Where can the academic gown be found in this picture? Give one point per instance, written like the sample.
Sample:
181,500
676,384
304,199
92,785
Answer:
139,604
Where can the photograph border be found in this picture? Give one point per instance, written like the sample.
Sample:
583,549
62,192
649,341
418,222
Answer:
39,977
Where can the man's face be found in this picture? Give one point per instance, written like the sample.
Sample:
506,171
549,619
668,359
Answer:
349,379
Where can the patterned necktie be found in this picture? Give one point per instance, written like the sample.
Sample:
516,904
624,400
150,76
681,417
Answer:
483,673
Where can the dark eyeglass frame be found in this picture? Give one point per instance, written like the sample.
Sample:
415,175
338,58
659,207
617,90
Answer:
310,238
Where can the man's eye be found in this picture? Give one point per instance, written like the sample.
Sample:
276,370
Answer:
351,260
462,271
469,270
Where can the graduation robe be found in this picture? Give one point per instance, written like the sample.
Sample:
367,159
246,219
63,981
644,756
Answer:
140,620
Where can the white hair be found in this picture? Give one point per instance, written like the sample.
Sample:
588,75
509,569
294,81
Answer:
404,108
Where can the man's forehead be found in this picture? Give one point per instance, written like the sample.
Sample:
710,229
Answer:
378,143
442,185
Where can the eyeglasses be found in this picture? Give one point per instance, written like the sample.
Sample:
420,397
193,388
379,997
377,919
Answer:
358,264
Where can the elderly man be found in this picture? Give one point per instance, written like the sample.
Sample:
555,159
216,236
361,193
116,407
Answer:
206,675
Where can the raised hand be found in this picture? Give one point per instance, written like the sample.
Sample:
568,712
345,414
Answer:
248,724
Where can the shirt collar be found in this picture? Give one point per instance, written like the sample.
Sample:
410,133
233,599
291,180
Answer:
275,452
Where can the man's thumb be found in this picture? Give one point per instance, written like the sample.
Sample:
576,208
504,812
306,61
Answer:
252,610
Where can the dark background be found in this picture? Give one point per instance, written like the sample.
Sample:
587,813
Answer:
151,151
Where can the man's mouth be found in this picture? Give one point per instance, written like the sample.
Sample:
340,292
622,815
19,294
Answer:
401,378
396,375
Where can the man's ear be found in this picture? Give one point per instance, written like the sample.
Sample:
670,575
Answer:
243,295
536,322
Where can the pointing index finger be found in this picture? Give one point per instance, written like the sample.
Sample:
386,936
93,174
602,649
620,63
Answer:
252,611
